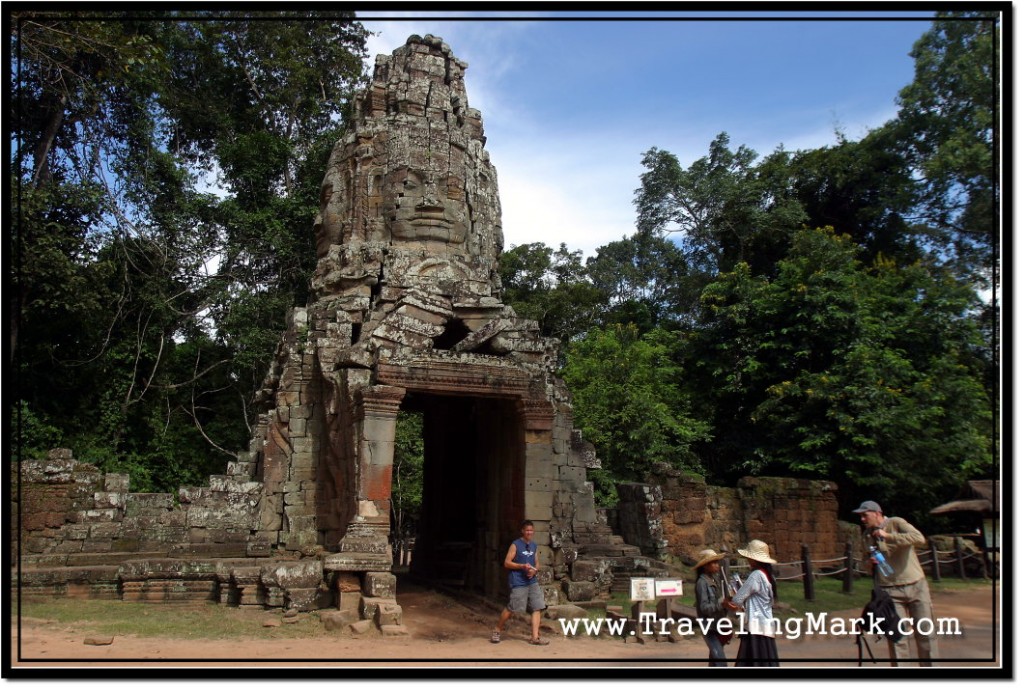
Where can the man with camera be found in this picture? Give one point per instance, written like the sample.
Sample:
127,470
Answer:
897,540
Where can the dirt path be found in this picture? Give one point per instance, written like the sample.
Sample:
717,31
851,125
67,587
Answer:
444,632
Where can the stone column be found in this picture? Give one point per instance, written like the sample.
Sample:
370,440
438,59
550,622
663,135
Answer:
538,422
365,546
540,482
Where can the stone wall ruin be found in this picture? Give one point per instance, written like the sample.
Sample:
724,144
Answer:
674,515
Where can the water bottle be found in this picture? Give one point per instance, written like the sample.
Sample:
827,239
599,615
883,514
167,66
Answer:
884,568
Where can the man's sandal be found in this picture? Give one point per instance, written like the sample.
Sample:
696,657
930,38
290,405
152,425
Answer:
538,641
495,636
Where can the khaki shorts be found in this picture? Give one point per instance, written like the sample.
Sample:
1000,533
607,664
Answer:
526,598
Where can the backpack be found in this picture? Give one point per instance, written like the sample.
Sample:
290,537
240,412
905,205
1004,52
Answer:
880,609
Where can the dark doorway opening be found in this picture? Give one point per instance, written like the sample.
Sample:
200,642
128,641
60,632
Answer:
473,489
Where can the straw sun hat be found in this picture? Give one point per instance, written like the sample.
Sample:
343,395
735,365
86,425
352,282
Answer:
707,556
758,551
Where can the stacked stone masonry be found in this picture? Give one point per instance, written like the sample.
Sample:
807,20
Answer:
677,515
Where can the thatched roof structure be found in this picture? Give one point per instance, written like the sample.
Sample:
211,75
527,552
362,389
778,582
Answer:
981,496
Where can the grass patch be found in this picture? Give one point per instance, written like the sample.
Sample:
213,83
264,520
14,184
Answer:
158,620
829,595
620,600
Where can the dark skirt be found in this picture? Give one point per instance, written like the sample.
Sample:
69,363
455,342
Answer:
757,651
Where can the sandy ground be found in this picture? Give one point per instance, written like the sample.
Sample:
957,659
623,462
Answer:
446,633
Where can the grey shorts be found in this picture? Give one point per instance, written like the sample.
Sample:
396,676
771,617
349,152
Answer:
527,596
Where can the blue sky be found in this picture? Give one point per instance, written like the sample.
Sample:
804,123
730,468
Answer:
571,104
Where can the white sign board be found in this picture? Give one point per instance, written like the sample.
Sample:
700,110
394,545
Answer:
668,588
641,589
991,533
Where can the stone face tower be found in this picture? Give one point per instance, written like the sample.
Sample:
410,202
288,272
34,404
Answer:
407,314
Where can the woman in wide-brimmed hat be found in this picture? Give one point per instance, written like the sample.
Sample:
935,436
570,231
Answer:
757,643
709,605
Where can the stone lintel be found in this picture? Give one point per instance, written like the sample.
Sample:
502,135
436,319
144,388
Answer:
463,378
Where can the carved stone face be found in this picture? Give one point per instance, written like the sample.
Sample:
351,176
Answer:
422,206
412,173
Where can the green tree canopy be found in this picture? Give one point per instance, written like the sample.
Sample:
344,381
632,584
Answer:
164,164
643,280
551,287
838,369
725,209
407,476
948,125
628,402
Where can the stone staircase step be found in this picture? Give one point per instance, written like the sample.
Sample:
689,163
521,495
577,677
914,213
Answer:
622,550
45,561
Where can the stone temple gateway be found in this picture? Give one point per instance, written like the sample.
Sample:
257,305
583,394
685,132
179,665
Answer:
406,314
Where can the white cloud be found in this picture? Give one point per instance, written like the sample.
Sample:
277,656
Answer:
545,208
575,188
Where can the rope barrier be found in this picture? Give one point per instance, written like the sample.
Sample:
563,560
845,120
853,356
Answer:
928,558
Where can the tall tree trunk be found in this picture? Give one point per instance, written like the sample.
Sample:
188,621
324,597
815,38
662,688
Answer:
41,171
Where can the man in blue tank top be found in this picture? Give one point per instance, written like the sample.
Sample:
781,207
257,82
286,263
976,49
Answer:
525,591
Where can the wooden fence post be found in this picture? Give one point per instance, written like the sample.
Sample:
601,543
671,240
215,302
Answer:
805,552
848,573
958,550
936,568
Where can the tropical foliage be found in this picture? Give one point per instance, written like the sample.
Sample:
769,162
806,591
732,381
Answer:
166,168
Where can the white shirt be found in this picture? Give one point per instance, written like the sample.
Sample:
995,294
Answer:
756,597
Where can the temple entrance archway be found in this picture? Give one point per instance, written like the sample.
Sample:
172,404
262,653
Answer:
472,488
